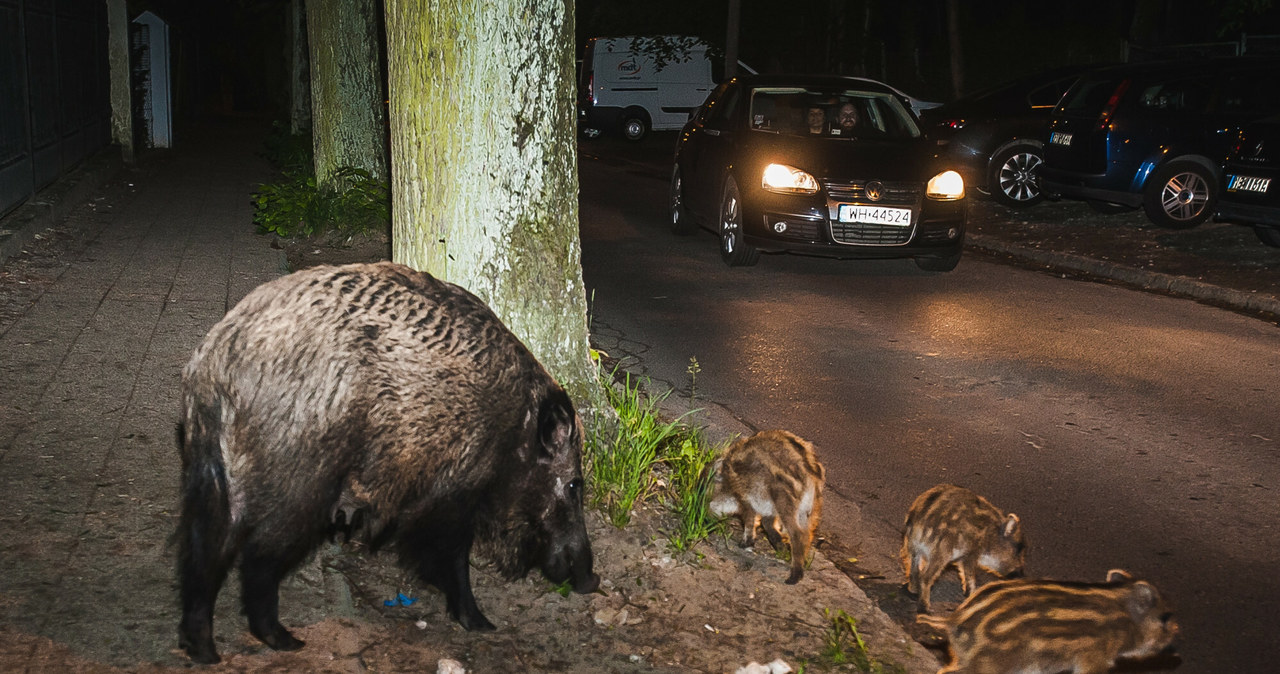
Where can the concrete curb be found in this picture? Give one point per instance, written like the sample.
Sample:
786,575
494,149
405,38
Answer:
1147,280
54,203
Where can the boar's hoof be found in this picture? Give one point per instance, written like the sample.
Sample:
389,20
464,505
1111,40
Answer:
474,621
278,638
587,585
201,654
795,577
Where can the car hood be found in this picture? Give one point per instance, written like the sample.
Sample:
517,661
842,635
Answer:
844,160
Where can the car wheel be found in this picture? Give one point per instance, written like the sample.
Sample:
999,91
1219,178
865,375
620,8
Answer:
1015,179
1268,235
634,125
1180,195
733,250
938,263
681,221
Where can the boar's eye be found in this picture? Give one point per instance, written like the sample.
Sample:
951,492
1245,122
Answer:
1166,617
575,490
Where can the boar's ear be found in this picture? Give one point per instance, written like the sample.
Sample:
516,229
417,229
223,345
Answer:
1144,598
1118,576
1011,525
557,422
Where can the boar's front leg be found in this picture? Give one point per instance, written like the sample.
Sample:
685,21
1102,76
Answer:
260,576
447,565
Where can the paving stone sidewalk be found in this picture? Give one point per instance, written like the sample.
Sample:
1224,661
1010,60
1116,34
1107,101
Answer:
90,370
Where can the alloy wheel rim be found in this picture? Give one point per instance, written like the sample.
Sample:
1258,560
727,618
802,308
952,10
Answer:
1184,197
1018,177
729,226
675,199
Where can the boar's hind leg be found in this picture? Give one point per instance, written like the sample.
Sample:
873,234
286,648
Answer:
260,575
204,556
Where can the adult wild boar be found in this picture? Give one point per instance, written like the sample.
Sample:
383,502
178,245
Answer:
378,390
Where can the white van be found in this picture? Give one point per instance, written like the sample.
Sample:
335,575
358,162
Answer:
629,91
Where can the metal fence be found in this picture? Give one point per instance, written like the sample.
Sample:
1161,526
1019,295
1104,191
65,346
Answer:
54,91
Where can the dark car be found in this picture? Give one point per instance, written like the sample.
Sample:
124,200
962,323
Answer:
996,135
1154,135
1251,180
766,162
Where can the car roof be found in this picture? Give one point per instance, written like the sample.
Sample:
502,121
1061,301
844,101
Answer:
1187,65
841,81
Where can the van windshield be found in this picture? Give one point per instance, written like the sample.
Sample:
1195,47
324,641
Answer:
844,114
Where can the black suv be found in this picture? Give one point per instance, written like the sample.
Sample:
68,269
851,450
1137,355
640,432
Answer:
1155,134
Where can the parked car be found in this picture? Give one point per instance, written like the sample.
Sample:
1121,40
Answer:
767,165
1251,180
1154,135
996,135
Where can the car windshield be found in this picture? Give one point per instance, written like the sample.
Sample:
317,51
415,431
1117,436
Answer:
841,113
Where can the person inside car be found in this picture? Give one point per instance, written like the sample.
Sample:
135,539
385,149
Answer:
817,120
847,117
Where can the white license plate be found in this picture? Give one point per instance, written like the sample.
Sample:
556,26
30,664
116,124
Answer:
1247,184
878,215
1059,138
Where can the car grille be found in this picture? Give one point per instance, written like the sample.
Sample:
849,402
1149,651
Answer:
904,195
895,194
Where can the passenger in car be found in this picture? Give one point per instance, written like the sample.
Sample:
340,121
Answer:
817,120
847,118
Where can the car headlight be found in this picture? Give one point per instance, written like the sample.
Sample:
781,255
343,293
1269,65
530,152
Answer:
788,180
946,186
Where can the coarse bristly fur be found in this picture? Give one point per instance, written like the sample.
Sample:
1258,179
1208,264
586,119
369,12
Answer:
383,400
772,479
953,525
1045,626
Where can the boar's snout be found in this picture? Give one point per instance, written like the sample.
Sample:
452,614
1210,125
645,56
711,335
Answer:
573,563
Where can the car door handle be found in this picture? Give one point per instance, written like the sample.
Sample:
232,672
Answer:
712,132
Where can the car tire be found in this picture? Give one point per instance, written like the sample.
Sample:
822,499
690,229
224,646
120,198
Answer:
682,223
947,263
1015,179
635,125
1180,195
1268,235
733,250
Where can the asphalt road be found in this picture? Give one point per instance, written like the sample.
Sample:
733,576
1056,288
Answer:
1127,429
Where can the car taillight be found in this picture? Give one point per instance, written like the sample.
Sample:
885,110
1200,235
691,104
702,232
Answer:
1110,108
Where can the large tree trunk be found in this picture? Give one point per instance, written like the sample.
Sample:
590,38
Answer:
956,48
484,165
348,121
299,70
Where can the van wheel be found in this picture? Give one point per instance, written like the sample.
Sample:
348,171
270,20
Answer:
1014,177
634,125
1180,195
733,249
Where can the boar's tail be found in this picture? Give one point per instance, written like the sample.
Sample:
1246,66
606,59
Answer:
204,530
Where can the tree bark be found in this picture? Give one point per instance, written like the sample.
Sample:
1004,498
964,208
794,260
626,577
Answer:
957,49
299,70
348,120
484,165
121,91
